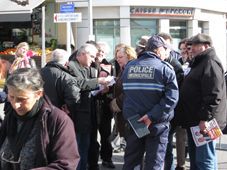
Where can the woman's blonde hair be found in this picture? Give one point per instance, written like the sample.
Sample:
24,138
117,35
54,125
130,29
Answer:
128,50
20,45
117,48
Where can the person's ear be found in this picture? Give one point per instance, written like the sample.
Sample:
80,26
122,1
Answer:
157,52
39,93
206,46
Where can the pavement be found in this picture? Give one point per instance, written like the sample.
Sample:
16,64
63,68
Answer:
221,149
221,154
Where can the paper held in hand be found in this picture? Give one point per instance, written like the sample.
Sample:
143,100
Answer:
139,128
214,132
110,79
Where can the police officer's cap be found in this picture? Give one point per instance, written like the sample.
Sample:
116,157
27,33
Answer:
155,42
200,39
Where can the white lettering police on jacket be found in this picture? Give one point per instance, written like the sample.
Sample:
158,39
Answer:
150,87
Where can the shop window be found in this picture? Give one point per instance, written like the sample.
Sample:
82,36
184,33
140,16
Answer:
141,27
109,32
203,27
178,30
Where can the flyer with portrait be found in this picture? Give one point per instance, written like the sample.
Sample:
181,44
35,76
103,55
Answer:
214,132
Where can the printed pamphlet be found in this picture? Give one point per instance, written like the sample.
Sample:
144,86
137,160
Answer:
111,80
214,132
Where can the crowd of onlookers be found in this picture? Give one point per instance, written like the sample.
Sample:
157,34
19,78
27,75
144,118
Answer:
53,115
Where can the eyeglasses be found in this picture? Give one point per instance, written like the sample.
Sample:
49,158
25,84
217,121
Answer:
9,158
101,51
92,56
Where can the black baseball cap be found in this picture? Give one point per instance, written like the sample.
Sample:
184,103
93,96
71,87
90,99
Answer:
155,42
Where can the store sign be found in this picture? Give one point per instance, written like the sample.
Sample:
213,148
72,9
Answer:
66,8
67,17
150,11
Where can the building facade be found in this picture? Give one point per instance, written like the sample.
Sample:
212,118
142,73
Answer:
117,21
126,20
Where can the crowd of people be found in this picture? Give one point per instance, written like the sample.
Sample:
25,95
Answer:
53,115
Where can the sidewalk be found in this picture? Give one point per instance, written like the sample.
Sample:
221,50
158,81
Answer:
221,153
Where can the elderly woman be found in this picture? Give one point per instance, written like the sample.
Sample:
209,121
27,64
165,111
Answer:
123,55
35,134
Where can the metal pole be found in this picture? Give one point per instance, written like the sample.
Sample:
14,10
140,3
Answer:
68,33
90,14
43,58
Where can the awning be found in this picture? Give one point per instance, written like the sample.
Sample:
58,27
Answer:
10,11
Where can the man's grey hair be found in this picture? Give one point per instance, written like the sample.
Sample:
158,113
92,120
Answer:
60,56
25,78
86,48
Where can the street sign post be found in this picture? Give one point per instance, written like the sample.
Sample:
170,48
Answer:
67,17
67,8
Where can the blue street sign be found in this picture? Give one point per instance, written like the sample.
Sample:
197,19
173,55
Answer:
66,8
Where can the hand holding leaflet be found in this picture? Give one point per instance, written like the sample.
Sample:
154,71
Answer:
213,132
109,79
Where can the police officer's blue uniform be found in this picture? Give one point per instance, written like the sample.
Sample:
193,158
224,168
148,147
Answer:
150,87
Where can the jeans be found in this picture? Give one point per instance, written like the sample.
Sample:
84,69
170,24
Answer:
202,157
83,142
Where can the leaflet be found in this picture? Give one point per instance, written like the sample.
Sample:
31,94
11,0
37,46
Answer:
110,79
214,132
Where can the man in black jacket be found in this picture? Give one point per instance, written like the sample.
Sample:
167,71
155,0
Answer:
203,97
103,115
60,86
80,69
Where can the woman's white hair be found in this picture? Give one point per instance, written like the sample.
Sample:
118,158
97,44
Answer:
60,56
104,46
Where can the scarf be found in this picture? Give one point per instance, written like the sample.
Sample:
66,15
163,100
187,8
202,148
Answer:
18,137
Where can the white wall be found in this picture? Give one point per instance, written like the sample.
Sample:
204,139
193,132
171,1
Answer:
217,31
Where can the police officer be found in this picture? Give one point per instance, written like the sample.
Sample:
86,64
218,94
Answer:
151,91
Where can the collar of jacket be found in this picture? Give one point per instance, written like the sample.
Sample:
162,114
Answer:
208,53
47,105
57,65
78,63
148,54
